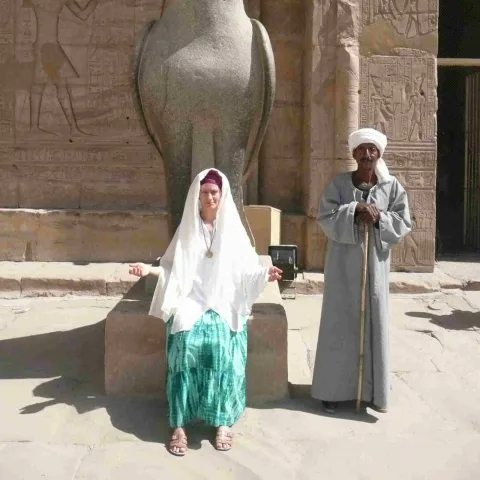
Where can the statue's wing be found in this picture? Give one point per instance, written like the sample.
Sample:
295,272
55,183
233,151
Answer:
268,62
137,60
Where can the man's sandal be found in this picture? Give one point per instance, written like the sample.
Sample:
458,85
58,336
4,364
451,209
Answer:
224,437
178,441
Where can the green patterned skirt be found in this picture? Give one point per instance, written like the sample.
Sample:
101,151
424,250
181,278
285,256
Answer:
206,372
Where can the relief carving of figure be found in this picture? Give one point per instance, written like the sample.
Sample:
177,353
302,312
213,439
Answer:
410,247
381,115
52,64
417,103
408,17
413,24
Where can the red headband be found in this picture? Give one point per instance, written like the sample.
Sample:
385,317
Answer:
212,177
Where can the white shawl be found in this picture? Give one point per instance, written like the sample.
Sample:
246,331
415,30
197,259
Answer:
237,276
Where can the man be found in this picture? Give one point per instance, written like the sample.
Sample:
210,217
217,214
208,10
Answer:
366,198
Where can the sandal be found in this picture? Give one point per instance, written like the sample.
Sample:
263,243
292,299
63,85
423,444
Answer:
224,437
178,441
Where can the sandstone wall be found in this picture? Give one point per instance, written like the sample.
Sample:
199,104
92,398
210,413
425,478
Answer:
57,68
373,63
70,138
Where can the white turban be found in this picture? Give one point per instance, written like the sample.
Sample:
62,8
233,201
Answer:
370,135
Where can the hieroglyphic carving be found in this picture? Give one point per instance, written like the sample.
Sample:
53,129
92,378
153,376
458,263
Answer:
411,18
75,156
415,169
70,69
410,160
398,97
6,52
417,249
5,12
52,64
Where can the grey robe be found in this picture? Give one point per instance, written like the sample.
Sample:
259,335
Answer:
336,364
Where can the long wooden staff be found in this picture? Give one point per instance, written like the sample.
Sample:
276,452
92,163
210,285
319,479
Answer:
362,317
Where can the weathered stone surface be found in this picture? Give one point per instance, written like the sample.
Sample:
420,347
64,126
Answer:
58,279
390,25
49,186
135,348
9,183
289,64
216,116
293,233
321,172
36,460
265,223
286,18
19,234
316,244
47,421
126,187
284,137
299,374
463,273
406,112
10,280
282,184
84,236
319,48
120,281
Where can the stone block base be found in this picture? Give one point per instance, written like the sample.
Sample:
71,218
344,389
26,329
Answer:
135,349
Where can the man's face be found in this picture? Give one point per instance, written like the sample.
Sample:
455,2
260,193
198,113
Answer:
366,156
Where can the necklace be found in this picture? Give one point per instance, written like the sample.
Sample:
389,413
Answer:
209,253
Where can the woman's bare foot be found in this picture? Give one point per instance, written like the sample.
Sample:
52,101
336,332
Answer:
138,269
224,438
178,442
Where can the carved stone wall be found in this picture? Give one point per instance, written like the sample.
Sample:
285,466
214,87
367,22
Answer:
399,97
69,133
70,137
372,63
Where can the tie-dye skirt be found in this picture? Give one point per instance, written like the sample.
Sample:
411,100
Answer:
206,372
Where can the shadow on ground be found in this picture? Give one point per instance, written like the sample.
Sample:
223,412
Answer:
345,411
456,320
73,361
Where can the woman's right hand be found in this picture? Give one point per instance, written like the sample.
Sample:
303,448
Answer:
138,269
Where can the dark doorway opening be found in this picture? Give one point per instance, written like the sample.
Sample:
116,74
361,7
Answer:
459,37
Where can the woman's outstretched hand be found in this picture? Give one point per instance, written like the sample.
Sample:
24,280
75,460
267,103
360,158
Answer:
138,269
274,274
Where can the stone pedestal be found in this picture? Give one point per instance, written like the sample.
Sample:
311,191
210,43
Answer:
135,348
265,223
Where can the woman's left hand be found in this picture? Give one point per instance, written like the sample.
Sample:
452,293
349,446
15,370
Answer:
274,274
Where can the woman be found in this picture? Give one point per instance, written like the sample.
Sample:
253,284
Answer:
209,278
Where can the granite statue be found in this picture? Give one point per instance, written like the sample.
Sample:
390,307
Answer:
204,83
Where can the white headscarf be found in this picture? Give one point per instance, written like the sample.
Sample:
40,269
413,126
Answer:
232,255
370,135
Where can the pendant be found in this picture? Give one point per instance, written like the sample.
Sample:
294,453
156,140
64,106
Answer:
209,254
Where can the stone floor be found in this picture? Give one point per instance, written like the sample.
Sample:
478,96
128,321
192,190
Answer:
55,423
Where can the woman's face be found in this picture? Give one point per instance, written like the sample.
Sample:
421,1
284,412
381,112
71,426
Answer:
210,197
